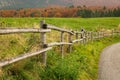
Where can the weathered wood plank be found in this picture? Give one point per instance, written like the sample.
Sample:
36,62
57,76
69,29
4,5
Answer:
59,29
58,44
78,40
22,30
21,57
95,37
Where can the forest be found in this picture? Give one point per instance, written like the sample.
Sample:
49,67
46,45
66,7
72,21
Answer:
71,11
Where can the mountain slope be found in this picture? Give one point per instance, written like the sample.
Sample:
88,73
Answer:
15,4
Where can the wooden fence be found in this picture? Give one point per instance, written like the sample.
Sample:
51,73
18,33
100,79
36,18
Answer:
82,36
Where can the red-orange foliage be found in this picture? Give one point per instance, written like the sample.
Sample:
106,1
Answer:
40,12
45,12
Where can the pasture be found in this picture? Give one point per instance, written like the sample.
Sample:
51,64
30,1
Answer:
80,64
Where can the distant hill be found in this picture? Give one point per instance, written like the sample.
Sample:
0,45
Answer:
16,4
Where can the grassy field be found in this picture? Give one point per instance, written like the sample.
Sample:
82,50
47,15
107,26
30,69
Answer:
74,23
81,64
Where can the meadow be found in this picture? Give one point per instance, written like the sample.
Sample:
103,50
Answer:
80,64
72,23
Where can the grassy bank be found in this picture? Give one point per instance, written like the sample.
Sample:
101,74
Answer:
81,64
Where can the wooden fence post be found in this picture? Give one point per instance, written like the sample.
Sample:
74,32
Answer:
98,35
43,42
103,34
91,36
85,40
88,36
84,37
118,32
77,35
62,47
70,40
81,36
95,35
112,33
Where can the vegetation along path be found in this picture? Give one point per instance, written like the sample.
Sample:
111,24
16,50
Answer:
109,65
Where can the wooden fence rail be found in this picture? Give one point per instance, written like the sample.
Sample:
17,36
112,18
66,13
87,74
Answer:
59,29
81,36
58,44
20,30
77,40
22,56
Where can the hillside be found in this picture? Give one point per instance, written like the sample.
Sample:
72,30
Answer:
15,4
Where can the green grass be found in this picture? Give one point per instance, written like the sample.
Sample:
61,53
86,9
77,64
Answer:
74,23
81,64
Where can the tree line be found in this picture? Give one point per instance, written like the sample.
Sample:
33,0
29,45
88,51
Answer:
70,11
86,13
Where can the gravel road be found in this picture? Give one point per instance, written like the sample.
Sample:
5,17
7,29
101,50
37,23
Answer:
109,64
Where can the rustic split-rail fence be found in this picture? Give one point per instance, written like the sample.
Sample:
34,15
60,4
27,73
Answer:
81,36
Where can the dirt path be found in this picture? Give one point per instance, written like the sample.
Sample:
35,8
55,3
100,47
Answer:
109,65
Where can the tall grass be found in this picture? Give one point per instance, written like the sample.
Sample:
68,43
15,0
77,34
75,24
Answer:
81,64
